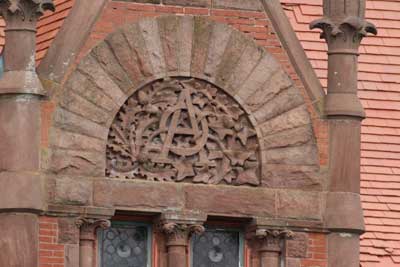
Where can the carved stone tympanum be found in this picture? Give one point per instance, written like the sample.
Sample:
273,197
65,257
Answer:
183,130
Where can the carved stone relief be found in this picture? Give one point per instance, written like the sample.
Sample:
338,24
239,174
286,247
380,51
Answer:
183,130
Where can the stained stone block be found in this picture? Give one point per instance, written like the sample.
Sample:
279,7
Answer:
196,3
299,205
70,191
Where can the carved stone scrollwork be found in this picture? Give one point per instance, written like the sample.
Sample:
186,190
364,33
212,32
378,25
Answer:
183,130
181,231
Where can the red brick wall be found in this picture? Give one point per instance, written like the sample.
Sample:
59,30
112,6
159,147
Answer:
51,254
317,251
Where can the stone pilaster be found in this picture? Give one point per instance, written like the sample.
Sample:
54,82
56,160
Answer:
20,93
177,237
87,239
343,27
266,246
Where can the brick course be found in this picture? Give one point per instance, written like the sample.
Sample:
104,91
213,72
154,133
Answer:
51,253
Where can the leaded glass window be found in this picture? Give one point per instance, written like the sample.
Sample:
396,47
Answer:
125,245
217,248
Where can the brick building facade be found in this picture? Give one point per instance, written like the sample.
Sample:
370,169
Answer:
178,121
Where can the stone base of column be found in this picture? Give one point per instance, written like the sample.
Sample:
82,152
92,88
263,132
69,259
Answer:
343,250
19,240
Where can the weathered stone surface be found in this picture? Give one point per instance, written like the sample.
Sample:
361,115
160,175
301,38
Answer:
77,162
297,246
238,4
297,155
293,262
306,177
71,191
294,118
23,191
138,50
71,255
168,27
291,137
220,36
75,141
150,32
79,105
84,87
273,86
286,100
236,45
343,250
68,231
139,196
248,61
98,76
19,240
201,42
127,58
299,204
198,3
344,211
64,119
259,76
106,59
185,43
19,134
232,201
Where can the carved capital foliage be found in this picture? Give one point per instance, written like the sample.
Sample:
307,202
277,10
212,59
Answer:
350,30
183,130
180,232
26,11
269,239
88,227
343,25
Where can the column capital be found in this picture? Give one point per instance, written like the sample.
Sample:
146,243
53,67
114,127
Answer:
88,227
269,239
178,233
23,14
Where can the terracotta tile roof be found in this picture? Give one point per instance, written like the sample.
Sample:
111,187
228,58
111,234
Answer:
379,89
48,27
379,84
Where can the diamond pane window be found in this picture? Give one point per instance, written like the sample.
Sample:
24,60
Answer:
217,248
125,245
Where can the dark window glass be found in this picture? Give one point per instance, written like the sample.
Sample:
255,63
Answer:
124,246
216,248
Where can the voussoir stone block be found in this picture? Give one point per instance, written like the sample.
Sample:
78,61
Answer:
185,44
298,204
225,200
75,141
151,35
291,137
107,60
168,27
201,40
69,121
296,155
293,118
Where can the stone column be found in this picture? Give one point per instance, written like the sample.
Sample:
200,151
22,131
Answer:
343,28
23,196
87,239
267,245
178,235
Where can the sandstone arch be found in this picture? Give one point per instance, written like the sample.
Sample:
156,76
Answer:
183,46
